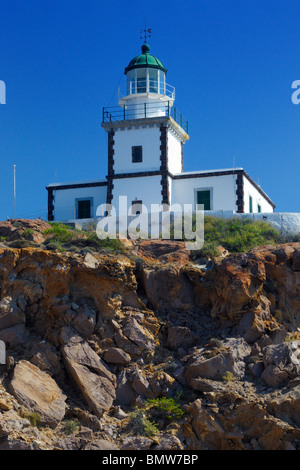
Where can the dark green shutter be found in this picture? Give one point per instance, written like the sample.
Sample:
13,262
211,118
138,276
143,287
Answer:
250,205
203,197
84,209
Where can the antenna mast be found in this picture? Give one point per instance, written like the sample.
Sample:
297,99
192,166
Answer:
14,191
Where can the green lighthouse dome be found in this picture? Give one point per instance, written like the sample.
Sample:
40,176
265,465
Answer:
145,59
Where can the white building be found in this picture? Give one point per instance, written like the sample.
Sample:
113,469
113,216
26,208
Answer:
146,135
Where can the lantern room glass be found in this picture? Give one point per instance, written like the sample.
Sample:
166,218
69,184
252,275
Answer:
145,80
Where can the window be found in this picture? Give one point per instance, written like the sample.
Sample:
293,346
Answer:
258,208
250,204
131,88
203,197
137,154
83,208
161,82
153,80
141,76
136,207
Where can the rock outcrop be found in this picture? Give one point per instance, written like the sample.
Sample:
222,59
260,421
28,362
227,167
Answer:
90,337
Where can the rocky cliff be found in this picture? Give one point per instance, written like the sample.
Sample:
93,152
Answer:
92,336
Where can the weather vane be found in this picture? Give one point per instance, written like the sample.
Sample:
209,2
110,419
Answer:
145,34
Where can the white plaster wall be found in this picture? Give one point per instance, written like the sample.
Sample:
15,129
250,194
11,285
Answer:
147,189
257,198
64,201
223,191
148,137
174,153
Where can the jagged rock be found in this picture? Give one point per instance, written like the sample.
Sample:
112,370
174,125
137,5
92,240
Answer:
162,384
137,443
46,358
136,332
125,395
119,413
10,314
116,356
163,251
100,444
296,260
281,363
14,336
91,375
169,442
253,324
38,392
9,443
213,364
141,385
68,443
180,337
11,421
67,334
85,322
167,288
90,261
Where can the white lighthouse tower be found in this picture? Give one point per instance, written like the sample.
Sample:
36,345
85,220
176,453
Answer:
145,135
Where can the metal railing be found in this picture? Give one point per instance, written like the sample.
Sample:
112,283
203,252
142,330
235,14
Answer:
151,86
144,111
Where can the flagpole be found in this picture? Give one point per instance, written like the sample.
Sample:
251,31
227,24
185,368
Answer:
14,191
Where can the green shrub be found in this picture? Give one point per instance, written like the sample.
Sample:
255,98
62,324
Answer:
22,244
228,376
140,425
235,235
28,232
34,418
60,233
164,408
106,243
70,426
54,245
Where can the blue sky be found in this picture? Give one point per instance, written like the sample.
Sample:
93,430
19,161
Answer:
232,63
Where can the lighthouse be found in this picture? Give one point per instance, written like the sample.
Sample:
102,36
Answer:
145,139
145,135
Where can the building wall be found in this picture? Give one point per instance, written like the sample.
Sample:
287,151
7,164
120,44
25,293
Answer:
223,191
125,139
257,199
174,153
147,189
65,200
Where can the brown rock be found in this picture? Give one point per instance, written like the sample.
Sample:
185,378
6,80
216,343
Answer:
100,444
281,363
116,356
213,364
180,337
38,392
91,375
85,322
296,260
10,313
137,333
